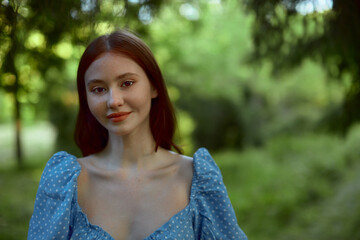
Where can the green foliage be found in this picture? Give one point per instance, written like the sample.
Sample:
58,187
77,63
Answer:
232,103
245,103
296,186
41,41
286,37
340,214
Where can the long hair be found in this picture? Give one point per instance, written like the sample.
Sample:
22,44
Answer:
90,136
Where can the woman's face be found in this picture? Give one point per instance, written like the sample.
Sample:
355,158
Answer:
119,94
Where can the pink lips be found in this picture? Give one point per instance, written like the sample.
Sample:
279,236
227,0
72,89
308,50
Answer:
118,117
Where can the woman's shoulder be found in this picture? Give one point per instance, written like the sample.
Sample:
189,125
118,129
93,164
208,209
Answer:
204,165
54,198
60,173
198,167
212,200
208,182
60,156
61,163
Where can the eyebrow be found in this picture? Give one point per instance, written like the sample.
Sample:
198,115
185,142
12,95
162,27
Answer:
120,77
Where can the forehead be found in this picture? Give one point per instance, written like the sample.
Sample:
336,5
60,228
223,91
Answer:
110,65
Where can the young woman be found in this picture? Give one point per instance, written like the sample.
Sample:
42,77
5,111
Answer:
128,184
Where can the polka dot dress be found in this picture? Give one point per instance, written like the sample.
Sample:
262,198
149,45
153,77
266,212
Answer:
57,214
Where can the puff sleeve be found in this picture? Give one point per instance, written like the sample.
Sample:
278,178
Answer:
52,216
217,219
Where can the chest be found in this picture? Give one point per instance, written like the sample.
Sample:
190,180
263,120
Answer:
131,208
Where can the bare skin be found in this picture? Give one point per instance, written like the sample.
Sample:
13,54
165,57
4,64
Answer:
133,203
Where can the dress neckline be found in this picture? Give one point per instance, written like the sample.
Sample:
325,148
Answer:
181,213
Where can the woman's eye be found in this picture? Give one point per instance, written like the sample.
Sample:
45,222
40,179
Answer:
98,90
127,83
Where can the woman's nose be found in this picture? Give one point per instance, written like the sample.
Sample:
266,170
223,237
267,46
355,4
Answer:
115,99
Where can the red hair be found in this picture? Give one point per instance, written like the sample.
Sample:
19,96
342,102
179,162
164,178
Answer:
90,136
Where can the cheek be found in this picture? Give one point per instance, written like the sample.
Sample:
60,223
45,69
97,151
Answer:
95,105
143,102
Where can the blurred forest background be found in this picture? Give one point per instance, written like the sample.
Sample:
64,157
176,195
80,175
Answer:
270,87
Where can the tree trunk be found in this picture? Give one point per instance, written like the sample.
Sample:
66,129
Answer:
11,68
18,145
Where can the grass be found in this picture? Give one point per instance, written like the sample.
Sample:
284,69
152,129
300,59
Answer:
18,187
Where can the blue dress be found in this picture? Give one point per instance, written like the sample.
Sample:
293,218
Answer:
57,214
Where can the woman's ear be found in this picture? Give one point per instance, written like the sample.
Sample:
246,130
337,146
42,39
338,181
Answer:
154,92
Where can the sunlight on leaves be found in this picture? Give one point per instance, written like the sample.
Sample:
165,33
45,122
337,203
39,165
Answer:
35,40
8,79
189,11
104,28
64,49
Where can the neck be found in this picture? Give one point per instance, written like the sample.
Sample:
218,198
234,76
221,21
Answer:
128,151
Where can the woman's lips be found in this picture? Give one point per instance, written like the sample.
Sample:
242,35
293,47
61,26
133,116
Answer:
118,117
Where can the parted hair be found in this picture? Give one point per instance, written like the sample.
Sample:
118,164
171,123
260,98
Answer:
90,136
